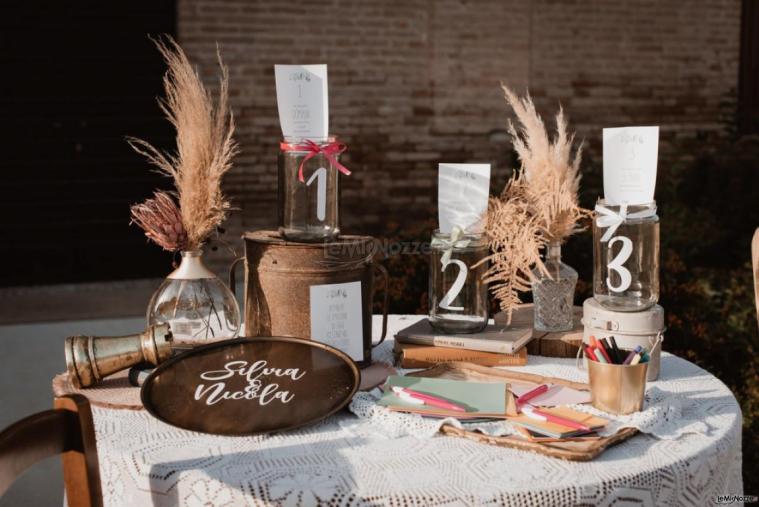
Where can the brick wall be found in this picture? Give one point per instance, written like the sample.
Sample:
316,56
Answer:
415,82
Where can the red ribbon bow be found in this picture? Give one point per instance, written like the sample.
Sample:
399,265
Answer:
329,150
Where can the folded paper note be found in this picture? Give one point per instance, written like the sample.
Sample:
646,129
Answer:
463,191
336,317
302,101
480,400
630,157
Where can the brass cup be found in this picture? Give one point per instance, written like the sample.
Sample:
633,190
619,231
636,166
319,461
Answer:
89,359
617,388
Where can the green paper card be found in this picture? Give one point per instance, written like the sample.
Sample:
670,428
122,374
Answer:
479,399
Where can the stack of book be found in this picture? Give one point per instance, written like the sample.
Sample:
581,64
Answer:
420,346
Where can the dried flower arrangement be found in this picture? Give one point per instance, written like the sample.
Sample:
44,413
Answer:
205,149
538,206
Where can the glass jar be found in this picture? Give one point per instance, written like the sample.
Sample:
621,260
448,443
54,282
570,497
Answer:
308,189
554,293
458,296
198,307
626,256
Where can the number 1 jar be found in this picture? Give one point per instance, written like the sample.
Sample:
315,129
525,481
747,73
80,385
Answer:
626,256
308,189
458,296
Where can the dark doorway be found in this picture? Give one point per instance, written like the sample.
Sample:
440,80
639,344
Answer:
77,78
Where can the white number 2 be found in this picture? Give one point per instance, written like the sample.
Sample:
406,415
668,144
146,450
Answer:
321,191
455,289
617,264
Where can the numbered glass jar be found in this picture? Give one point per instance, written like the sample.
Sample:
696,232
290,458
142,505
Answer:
308,189
626,256
458,296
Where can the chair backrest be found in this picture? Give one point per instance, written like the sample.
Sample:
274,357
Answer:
66,430
755,266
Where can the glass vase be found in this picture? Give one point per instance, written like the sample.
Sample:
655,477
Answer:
308,209
198,307
458,296
553,293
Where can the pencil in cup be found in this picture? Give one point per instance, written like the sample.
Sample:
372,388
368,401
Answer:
617,388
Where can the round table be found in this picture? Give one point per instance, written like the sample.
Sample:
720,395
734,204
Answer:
347,461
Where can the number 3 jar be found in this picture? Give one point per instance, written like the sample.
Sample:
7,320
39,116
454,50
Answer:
626,256
458,296
308,189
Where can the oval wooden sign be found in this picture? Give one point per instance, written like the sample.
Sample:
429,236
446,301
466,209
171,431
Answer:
251,386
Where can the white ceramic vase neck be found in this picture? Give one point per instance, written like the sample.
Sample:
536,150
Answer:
192,267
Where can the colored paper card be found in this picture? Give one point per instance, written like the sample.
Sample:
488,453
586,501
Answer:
630,158
336,317
463,191
302,100
478,398
556,395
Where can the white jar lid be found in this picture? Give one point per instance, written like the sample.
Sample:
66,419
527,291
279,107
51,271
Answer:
646,322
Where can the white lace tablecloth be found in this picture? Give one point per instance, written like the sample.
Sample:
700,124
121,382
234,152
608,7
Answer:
346,461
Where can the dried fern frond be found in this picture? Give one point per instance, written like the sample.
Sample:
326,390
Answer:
205,146
161,220
551,171
515,238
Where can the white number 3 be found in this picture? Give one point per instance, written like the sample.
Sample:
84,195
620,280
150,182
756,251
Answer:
617,264
455,289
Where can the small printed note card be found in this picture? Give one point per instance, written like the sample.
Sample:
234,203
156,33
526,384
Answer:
302,100
463,191
336,317
630,159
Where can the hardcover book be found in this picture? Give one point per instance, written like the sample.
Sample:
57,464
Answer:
494,338
409,355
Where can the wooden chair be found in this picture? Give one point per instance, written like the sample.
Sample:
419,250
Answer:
66,430
755,265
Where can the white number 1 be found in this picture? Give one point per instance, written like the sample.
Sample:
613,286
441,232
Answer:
617,264
321,191
455,289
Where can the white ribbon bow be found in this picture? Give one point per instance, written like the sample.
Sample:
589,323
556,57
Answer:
612,219
448,245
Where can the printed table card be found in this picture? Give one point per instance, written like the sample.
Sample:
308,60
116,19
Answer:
630,158
463,191
336,317
302,100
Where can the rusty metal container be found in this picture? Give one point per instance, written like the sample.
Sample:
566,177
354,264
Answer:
279,275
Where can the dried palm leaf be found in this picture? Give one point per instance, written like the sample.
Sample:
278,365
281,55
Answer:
552,172
515,238
539,204
205,146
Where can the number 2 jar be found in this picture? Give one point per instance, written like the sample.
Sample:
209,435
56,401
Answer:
458,296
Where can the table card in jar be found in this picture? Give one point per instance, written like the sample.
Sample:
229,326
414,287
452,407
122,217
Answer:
626,227
458,295
309,157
